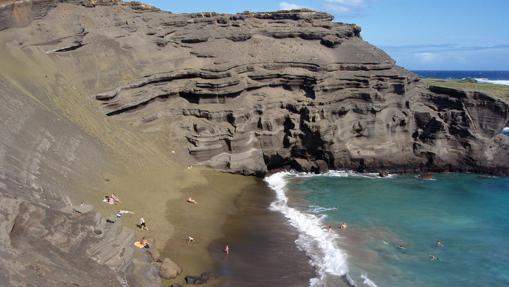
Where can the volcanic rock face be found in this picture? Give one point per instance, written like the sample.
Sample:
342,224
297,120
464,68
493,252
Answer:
276,90
253,92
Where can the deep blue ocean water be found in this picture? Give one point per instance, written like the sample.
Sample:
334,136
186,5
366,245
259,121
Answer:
494,77
394,223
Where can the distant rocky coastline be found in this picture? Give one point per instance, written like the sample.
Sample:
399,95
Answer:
248,93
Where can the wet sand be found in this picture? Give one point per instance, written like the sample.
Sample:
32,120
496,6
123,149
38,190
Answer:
262,247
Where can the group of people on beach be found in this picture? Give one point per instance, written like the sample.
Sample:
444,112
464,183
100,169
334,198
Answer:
113,199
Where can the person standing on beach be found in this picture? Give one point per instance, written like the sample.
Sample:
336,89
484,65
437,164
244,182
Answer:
142,225
227,249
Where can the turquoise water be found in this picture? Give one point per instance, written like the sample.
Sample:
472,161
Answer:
468,213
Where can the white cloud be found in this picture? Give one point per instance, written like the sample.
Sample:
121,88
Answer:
426,57
289,6
344,6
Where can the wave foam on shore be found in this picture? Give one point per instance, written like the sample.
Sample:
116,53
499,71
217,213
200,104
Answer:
318,243
497,82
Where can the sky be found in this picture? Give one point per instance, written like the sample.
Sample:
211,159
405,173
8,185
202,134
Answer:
418,34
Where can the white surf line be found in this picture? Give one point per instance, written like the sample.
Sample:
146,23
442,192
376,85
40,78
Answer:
497,82
319,244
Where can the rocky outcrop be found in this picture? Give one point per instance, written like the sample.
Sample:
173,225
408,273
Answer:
291,89
169,269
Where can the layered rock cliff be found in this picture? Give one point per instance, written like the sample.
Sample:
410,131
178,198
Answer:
245,93
253,92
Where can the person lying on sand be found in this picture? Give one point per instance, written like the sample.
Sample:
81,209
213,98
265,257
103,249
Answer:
142,243
190,239
108,199
191,200
115,198
111,199
121,213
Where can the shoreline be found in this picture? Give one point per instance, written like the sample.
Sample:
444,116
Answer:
349,242
262,244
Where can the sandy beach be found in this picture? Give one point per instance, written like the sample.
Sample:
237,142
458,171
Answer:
149,172
158,192
263,246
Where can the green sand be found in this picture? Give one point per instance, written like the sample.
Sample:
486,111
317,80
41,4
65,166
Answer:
149,179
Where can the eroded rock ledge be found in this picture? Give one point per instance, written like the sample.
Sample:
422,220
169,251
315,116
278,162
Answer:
296,90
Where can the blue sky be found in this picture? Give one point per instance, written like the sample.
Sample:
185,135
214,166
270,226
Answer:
419,34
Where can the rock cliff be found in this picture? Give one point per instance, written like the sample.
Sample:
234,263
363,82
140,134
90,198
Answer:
245,93
254,92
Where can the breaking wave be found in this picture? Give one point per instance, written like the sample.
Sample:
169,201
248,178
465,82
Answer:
498,82
318,243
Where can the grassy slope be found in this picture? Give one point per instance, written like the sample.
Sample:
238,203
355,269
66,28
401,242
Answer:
499,91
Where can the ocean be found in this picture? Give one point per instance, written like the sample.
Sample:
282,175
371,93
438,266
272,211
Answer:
394,224
493,77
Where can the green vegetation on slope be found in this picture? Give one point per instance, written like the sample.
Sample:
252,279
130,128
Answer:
500,91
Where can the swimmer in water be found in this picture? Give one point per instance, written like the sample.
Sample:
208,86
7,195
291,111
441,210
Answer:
433,258
439,244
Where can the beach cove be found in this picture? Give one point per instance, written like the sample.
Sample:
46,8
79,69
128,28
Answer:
401,230
140,147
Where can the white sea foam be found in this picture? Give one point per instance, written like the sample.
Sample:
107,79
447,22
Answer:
366,281
318,243
498,82
315,209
